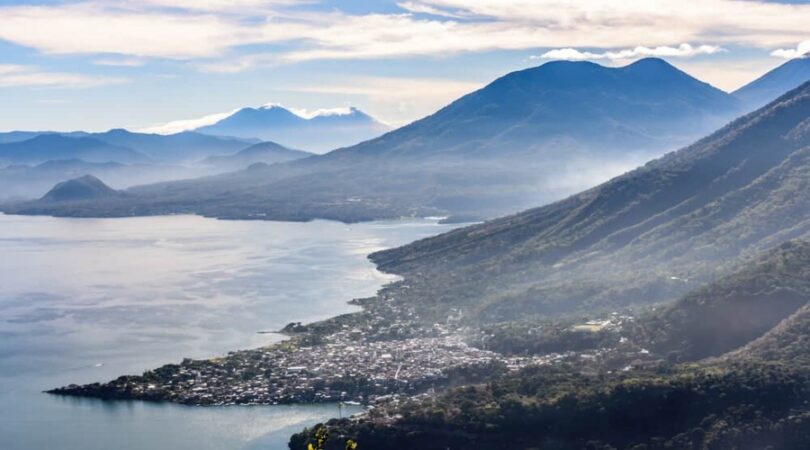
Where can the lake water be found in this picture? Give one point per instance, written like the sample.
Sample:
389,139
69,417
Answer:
85,300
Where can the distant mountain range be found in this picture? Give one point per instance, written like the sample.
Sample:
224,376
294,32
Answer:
122,146
47,147
320,133
22,181
174,148
35,161
527,138
264,152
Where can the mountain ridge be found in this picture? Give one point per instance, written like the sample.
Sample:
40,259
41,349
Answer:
45,147
777,81
527,138
568,77
321,132
263,152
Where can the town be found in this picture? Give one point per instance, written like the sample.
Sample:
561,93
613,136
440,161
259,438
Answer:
344,368
349,358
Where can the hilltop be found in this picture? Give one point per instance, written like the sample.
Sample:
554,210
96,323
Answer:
87,187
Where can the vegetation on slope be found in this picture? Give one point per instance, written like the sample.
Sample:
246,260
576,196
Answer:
645,237
734,310
742,407
755,397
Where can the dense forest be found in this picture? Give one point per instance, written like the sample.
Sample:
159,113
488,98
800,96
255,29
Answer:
716,407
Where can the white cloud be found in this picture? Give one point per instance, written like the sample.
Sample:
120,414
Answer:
236,65
791,53
210,32
321,112
12,75
216,5
95,29
395,101
681,51
178,126
655,22
120,62
186,124
421,8
621,23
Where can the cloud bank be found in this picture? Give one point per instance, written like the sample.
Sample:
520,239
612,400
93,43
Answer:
216,34
14,75
681,51
801,50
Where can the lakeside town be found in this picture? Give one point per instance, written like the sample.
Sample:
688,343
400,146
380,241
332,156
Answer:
379,355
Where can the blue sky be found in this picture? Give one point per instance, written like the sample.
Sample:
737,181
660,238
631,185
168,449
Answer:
96,64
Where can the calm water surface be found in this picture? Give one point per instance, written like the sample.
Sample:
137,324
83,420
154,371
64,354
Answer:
85,300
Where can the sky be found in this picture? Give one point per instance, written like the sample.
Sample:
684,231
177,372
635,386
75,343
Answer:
139,64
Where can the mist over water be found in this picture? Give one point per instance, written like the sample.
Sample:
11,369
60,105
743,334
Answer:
85,300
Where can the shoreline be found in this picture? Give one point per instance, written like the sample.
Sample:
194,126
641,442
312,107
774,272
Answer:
8,209
306,336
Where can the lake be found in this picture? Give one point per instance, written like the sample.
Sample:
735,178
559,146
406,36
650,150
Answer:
85,300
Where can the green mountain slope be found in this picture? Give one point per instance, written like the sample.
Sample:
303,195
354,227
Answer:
740,407
646,236
734,310
754,397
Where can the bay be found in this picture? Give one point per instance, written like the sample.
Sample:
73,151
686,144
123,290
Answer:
85,300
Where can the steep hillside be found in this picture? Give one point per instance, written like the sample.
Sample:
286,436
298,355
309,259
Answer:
768,87
788,342
646,236
174,148
753,398
721,407
736,309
